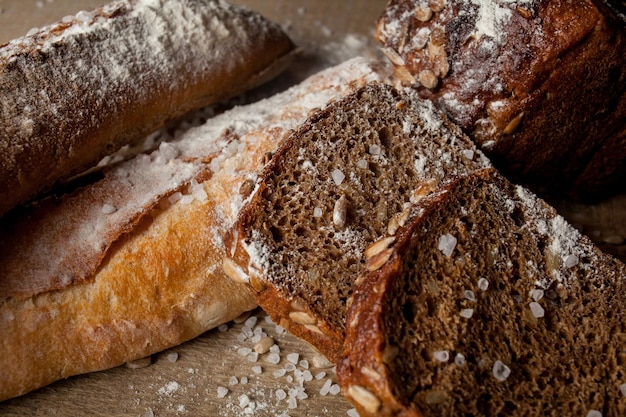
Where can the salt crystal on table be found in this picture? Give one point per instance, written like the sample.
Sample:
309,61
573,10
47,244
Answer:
222,392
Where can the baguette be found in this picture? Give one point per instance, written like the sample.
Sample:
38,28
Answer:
538,85
77,90
336,186
490,304
133,264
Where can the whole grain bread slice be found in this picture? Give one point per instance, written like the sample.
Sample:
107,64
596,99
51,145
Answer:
510,74
341,182
490,305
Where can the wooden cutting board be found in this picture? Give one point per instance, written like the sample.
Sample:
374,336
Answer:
215,374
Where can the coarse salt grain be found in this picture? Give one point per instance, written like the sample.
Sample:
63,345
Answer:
334,389
233,380
536,309
244,401
244,351
468,153
222,327
447,244
293,358
281,394
320,375
352,413
537,294
442,355
467,313
275,349
253,357
172,356
149,413
222,392
257,369
594,413
570,261
500,371
338,176
459,359
622,389
273,358
169,388
243,380
108,209
279,372
374,150
317,212
469,295
250,322
326,387
483,284
362,164
292,403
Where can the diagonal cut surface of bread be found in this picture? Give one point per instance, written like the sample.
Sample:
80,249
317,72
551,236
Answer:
490,304
132,264
341,182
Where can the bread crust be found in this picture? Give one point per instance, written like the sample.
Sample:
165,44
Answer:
116,289
539,86
389,367
78,90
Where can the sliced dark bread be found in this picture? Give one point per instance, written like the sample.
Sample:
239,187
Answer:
490,305
339,183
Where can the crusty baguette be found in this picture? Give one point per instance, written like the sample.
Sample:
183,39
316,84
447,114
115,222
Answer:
77,90
489,305
132,264
335,187
539,85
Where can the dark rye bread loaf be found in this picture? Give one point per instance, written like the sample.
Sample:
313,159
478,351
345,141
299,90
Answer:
490,305
540,85
339,183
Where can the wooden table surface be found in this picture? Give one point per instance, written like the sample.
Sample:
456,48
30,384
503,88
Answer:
185,380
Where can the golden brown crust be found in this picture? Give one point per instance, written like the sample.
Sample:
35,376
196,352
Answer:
78,90
538,85
159,286
157,276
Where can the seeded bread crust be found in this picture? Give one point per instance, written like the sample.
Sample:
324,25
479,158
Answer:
337,185
539,85
520,315
80,89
